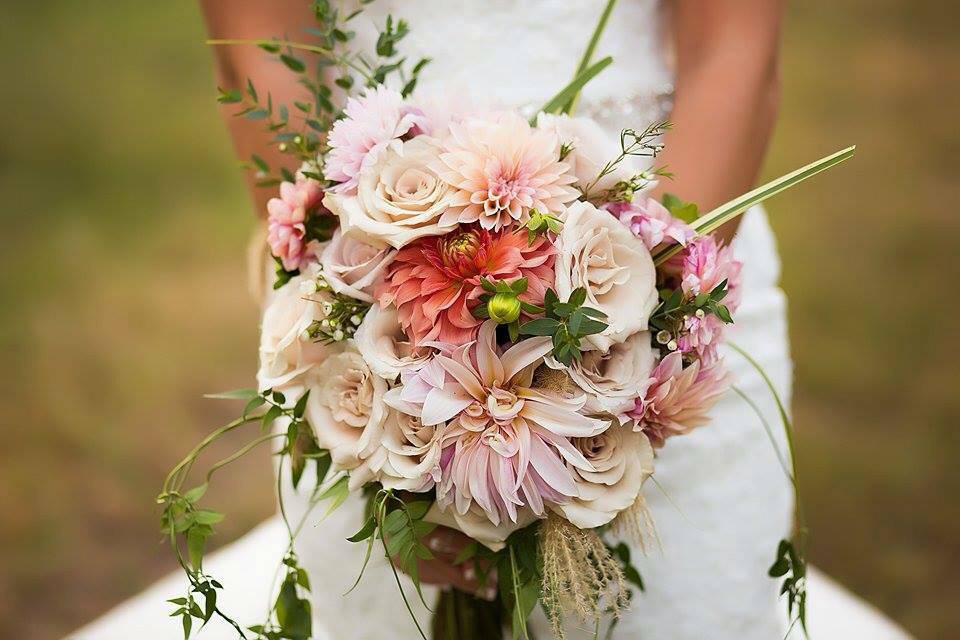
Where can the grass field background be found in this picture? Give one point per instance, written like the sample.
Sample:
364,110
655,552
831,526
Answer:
123,297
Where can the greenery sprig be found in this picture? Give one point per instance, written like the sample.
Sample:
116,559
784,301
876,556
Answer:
567,322
502,304
632,143
670,316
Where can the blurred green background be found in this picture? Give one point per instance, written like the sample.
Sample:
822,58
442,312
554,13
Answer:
123,297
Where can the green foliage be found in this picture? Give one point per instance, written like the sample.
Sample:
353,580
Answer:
501,303
791,565
540,223
686,211
400,527
675,307
632,143
567,322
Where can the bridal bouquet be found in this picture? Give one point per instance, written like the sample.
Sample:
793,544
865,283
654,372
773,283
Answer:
479,320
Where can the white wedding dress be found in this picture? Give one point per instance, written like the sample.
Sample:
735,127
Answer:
721,502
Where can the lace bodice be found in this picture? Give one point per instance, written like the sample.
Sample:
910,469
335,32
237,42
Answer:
521,52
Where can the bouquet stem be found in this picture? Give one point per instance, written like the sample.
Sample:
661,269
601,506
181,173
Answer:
462,616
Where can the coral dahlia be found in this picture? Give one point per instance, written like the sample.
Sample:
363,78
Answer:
435,281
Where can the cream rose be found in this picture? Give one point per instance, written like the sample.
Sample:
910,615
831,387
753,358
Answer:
612,380
592,149
347,412
399,198
597,252
383,344
352,266
476,524
412,460
286,352
623,460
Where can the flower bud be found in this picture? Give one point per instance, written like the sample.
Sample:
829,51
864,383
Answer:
504,308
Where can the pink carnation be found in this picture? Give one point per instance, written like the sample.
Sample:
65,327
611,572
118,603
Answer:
435,281
704,264
286,220
505,445
372,121
651,222
676,399
699,268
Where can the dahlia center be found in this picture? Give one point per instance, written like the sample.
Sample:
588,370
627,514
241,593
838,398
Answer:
457,248
503,405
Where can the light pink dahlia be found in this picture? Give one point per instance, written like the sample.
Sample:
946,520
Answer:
286,221
371,122
505,445
435,281
502,168
651,222
676,399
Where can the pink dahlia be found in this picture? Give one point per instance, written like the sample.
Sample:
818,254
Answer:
371,122
651,222
676,399
435,281
502,168
286,220
506,446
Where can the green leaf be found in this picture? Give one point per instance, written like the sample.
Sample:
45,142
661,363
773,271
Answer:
207,516
260,162
540,327
187,625
293,63
301,405
577,297
569,92
303,579
336,493
234,394
723,313
686,211
195,545
196,493
418,510
366,531
591,47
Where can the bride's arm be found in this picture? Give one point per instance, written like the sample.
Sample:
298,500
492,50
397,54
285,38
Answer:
255,19
726,95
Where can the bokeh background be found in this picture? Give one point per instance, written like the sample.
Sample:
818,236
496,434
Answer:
122,297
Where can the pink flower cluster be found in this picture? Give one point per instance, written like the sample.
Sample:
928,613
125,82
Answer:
287,216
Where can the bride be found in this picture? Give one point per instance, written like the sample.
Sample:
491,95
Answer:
722,502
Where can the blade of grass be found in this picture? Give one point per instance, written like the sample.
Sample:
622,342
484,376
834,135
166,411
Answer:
726,212
588,52
556,102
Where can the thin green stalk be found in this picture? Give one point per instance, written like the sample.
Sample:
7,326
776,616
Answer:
247,448
767,428
571,104
556,102
517,607
728,211
320,51
190,457
787,428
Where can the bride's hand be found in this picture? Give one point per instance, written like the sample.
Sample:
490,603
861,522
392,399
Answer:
446,544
